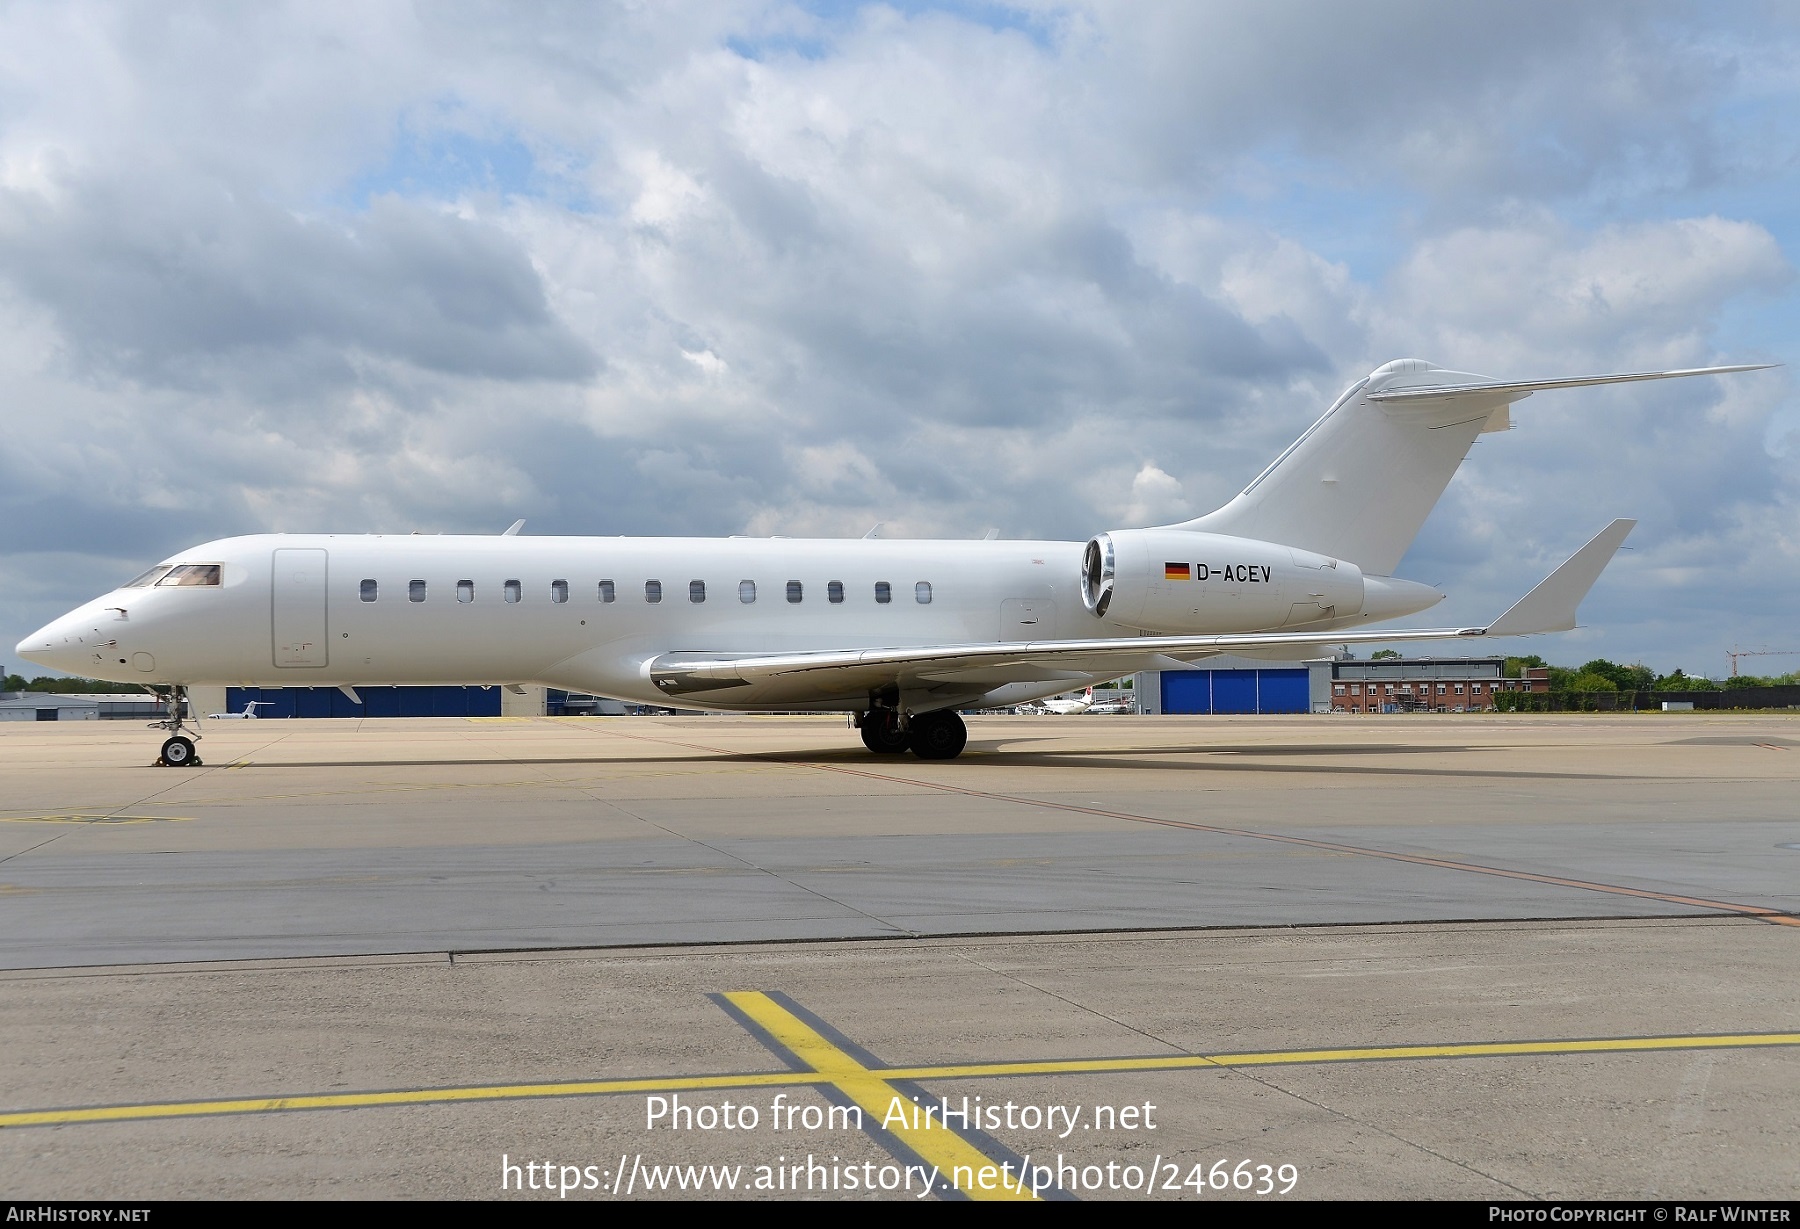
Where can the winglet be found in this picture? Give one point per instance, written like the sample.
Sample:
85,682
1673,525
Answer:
1551,606
512,530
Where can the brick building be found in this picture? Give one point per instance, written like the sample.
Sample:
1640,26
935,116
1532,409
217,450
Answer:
1426,684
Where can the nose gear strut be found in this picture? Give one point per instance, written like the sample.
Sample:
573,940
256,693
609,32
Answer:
178,750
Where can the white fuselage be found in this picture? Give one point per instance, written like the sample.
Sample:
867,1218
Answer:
349,610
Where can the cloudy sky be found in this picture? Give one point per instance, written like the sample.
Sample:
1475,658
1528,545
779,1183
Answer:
792,268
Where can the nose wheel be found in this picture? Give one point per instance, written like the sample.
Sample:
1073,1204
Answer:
178,749
178,752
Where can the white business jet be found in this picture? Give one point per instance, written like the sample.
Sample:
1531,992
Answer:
1066,708
247,714
899,633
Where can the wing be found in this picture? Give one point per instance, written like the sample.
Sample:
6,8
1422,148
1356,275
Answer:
952,673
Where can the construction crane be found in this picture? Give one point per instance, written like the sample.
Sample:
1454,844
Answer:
1734,654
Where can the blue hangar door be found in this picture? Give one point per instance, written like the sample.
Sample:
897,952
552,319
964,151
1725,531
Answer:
1236,691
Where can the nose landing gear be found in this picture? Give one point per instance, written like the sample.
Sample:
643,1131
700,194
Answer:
178,749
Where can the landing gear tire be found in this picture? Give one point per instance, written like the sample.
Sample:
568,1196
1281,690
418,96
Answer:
179,752
881,732
938,736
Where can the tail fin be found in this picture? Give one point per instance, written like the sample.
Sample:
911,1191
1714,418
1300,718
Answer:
1361,481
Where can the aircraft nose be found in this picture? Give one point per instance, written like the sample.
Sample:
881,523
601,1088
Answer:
66,644
35,646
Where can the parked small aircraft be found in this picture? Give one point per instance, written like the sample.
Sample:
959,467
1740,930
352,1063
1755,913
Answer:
247,714
900,633
1080,704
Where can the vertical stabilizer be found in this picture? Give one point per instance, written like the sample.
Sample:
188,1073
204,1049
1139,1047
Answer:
1362,480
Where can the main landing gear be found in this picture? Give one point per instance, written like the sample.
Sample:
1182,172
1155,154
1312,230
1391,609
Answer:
940,735
178,749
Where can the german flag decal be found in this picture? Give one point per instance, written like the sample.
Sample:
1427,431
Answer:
1178,571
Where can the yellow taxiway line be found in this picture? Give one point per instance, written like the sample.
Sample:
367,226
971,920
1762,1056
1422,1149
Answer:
827,1064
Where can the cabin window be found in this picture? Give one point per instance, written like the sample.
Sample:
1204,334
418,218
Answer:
148,578
415,591
512,591
834,592
746,591
696,591
559,591
884,593
465,591
653,591
922,593
191,576
795,591
368,591
607,591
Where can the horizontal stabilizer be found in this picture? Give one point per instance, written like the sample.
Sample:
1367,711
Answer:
1524,388
1550,607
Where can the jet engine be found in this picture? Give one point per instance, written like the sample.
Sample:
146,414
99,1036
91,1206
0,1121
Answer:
1178,582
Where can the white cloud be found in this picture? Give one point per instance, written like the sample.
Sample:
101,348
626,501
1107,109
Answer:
264,267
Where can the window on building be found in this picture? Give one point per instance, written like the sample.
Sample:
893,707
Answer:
608,591
795,591
653,591
367,592
1356,689
465,591
1338,689
191,576
834,592
696,591
415,590
1441,689
922,593
884,593
559,591
1459,688
512,591
746,591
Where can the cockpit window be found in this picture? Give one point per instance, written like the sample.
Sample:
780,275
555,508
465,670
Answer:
148,578
191,576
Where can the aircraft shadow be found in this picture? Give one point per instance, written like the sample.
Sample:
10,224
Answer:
996,754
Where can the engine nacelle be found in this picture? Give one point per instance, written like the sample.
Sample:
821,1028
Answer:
1175,581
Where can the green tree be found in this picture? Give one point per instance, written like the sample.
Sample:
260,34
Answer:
1384,655
1623,678
1516,666
1680,681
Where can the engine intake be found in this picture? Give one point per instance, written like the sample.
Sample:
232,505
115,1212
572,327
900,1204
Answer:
1098,569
